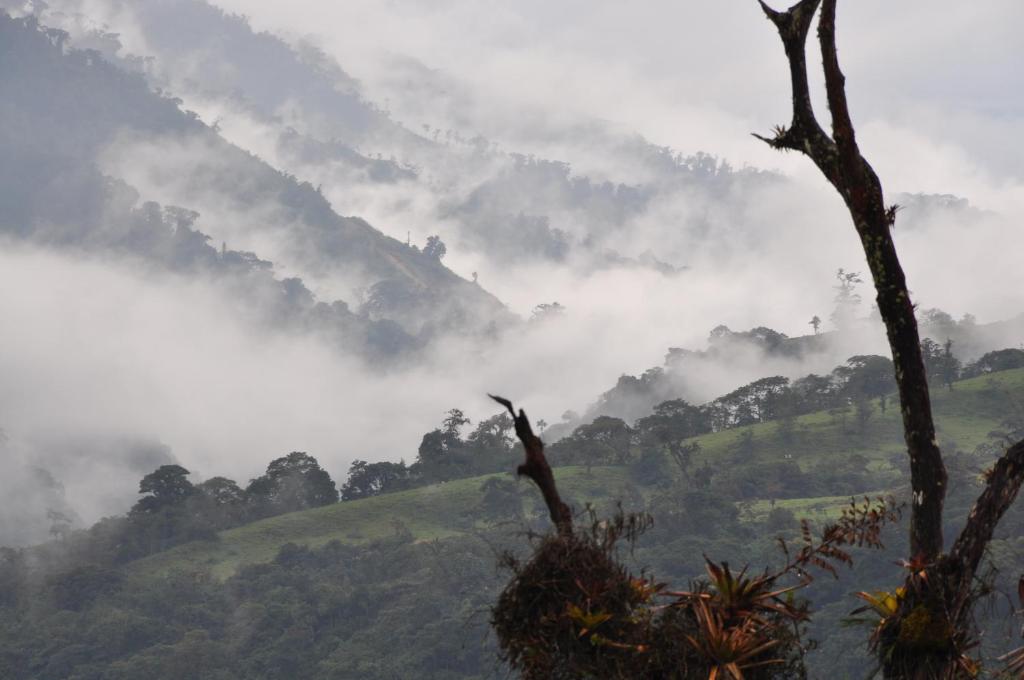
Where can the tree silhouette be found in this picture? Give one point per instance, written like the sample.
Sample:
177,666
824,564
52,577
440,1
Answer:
167,485
452,424
847,298
435,248
293,482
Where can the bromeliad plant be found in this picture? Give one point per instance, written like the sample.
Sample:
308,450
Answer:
744,624
882,604
732,649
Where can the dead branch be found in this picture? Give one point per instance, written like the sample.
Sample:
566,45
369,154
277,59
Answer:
536,468
1004,481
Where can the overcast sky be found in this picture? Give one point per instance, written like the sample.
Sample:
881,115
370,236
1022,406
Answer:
936,93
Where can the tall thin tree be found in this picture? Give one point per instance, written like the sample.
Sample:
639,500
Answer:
940,590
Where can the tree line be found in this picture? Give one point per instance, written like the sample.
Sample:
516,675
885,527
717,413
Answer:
848,393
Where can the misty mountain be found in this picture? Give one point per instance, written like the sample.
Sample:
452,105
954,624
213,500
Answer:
733,358
73,106
194,45
311,118
295,106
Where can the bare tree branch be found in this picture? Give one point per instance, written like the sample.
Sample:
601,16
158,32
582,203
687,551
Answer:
1004,481
536,468
848,171
835,88
803,132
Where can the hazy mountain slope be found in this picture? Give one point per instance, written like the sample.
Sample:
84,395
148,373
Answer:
734,358
284,100
220,54
625,204
73,106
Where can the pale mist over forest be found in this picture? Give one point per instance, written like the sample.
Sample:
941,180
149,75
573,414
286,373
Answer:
235,229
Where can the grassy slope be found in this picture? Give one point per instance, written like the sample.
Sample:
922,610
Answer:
964,416
429,512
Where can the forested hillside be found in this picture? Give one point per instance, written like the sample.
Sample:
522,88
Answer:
375,586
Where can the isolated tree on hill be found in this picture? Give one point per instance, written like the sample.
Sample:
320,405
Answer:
869,375
441,451
222,491
670,425
605,440
931,355
220,502
847,298
452,424
929,633
493,432
815,323
435,248
489,445
371,479
546,311
166,486
432,450
293,482
950,365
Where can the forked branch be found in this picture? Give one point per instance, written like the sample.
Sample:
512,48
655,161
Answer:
841,162
804,134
